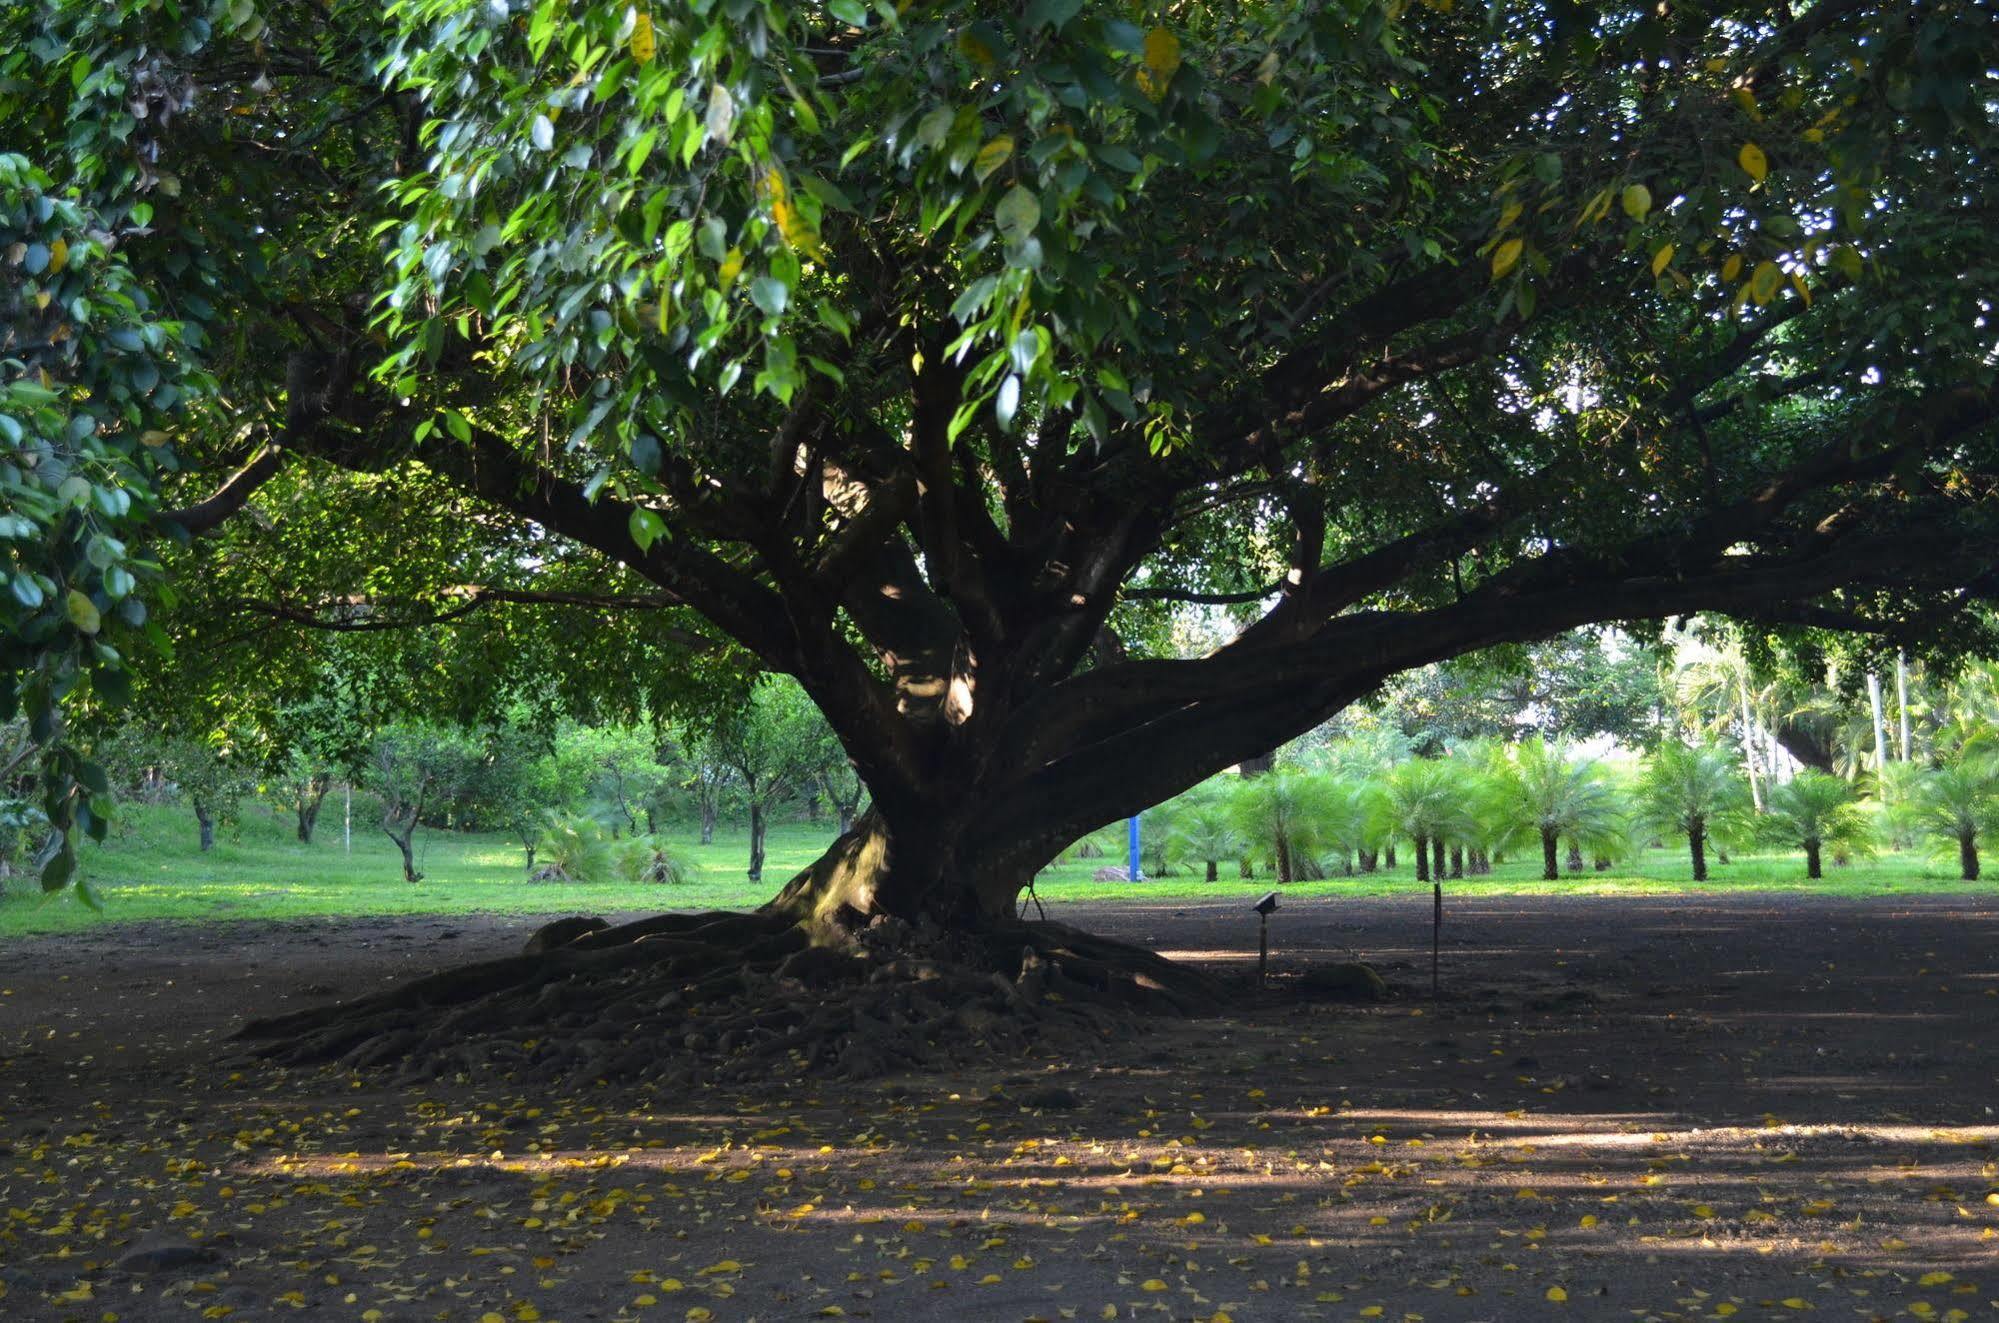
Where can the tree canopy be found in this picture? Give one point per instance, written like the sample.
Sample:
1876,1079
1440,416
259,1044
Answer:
928,354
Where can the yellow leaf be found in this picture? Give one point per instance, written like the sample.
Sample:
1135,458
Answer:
58,255
1589,1220
1763,282
1662,259
1753,162
1506,257
1557,1294
1934,1279
1795,1302
644,44
82,613
1703,1211
732,265
1372,1311
1637,200
1152,1284
1724,1309
1162,61
992,156
1731,268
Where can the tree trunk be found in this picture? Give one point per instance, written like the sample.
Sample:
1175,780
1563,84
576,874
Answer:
1967,856
401,833
1812,868
1284,877
1437,858
1214,872
707,822
1422,859
1551,869
1388,856
1575,858
1697,847
206,822
1245,868
756,841
530,850
1370,860
812,812
312,795
844,814
1457,863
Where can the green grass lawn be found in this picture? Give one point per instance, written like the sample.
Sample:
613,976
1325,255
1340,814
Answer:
150,869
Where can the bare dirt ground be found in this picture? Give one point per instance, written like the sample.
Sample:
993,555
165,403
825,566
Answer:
1757,1107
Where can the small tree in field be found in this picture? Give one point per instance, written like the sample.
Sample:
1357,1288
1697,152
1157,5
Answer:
1812,811
772,745
1695,792
1961,803
1424,803
413,768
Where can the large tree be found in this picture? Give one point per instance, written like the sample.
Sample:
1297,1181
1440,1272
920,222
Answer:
927,353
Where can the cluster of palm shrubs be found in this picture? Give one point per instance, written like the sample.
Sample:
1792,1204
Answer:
575,849
1458,816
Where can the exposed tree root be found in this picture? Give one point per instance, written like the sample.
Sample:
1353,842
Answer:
736,998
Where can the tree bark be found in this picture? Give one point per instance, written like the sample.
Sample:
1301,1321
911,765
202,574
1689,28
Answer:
1967,856
1370,860
1388,856
1437,858
1575,857
1457,863
707,822
1550,854
756,841
311,796
1697,848
1812,868
205,821
1214,872
1422,859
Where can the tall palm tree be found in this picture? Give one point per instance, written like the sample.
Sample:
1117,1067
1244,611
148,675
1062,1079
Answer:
1694,791
1554,796
1961,803
1813,810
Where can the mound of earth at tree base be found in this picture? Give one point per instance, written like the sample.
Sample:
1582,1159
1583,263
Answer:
687,999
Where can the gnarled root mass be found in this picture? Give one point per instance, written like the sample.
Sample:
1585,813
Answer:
739,998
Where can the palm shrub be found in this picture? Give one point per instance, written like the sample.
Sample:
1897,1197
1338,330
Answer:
1350,825
1696,792
648,859
1284,813
574,851
1207,831
1423,802
1960,803
1548,796
1813,810
1159,844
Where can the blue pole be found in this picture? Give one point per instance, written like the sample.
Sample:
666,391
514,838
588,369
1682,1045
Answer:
1132,873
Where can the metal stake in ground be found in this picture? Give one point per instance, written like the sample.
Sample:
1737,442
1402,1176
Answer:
1263,908
1436,931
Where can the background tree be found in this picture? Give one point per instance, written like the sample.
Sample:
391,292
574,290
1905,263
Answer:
771,744
1282,815
413,768
1207,828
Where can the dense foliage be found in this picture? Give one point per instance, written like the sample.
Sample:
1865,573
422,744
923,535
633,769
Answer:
935,354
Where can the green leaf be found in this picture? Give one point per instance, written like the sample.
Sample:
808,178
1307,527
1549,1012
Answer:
770,295
646,528
1018,212
991,157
